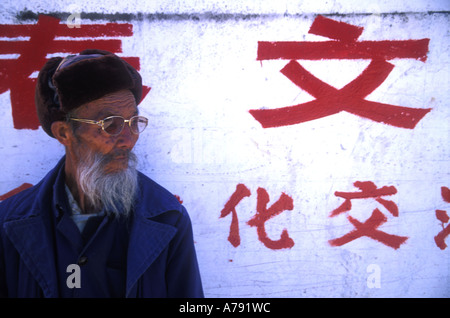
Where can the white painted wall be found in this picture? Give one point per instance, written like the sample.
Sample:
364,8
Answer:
201,62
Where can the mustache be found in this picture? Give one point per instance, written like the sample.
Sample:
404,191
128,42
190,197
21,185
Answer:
118,154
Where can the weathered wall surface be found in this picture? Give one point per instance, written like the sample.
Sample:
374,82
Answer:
309,140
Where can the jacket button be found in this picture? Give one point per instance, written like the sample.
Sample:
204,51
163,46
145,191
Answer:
60,211
82,260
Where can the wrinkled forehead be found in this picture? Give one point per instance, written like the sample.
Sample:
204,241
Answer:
121,103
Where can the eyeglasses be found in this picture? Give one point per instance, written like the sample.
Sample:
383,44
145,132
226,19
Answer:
113,125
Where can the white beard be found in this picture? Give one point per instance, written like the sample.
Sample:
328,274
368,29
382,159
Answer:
115,192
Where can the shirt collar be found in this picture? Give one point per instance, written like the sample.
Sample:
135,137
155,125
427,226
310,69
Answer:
72,202
77,216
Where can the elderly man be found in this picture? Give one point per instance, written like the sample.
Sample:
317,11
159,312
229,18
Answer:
95,226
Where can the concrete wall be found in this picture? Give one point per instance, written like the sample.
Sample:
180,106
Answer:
309,140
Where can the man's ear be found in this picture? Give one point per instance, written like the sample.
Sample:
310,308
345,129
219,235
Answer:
62,131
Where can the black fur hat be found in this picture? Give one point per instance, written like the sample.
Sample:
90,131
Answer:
65,84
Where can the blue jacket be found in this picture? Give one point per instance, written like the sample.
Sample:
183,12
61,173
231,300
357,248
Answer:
161,259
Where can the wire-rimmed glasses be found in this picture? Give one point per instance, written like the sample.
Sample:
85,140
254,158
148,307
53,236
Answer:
113,125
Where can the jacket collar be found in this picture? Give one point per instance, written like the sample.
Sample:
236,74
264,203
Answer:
31,238
147,241
29,229
30,232
152,201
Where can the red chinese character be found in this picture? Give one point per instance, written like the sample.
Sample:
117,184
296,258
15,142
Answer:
230,207
370,227
350,98
263,214
368,190
442,216
15,73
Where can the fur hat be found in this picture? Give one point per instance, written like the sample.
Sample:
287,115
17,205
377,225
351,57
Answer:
65,84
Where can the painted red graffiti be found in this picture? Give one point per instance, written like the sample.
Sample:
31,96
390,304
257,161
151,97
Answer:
443,217
263,214
230,207
178,198
368,190
370,227
350,98
22,187
15,73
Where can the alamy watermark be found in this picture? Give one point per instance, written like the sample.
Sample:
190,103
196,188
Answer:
374,277
74,19
74,279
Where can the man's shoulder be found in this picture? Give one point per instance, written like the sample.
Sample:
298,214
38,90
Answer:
22,204
19,203
157,197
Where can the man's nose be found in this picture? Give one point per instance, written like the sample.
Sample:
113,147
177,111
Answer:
127,139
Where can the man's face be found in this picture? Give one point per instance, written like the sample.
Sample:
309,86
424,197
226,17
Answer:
90,138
